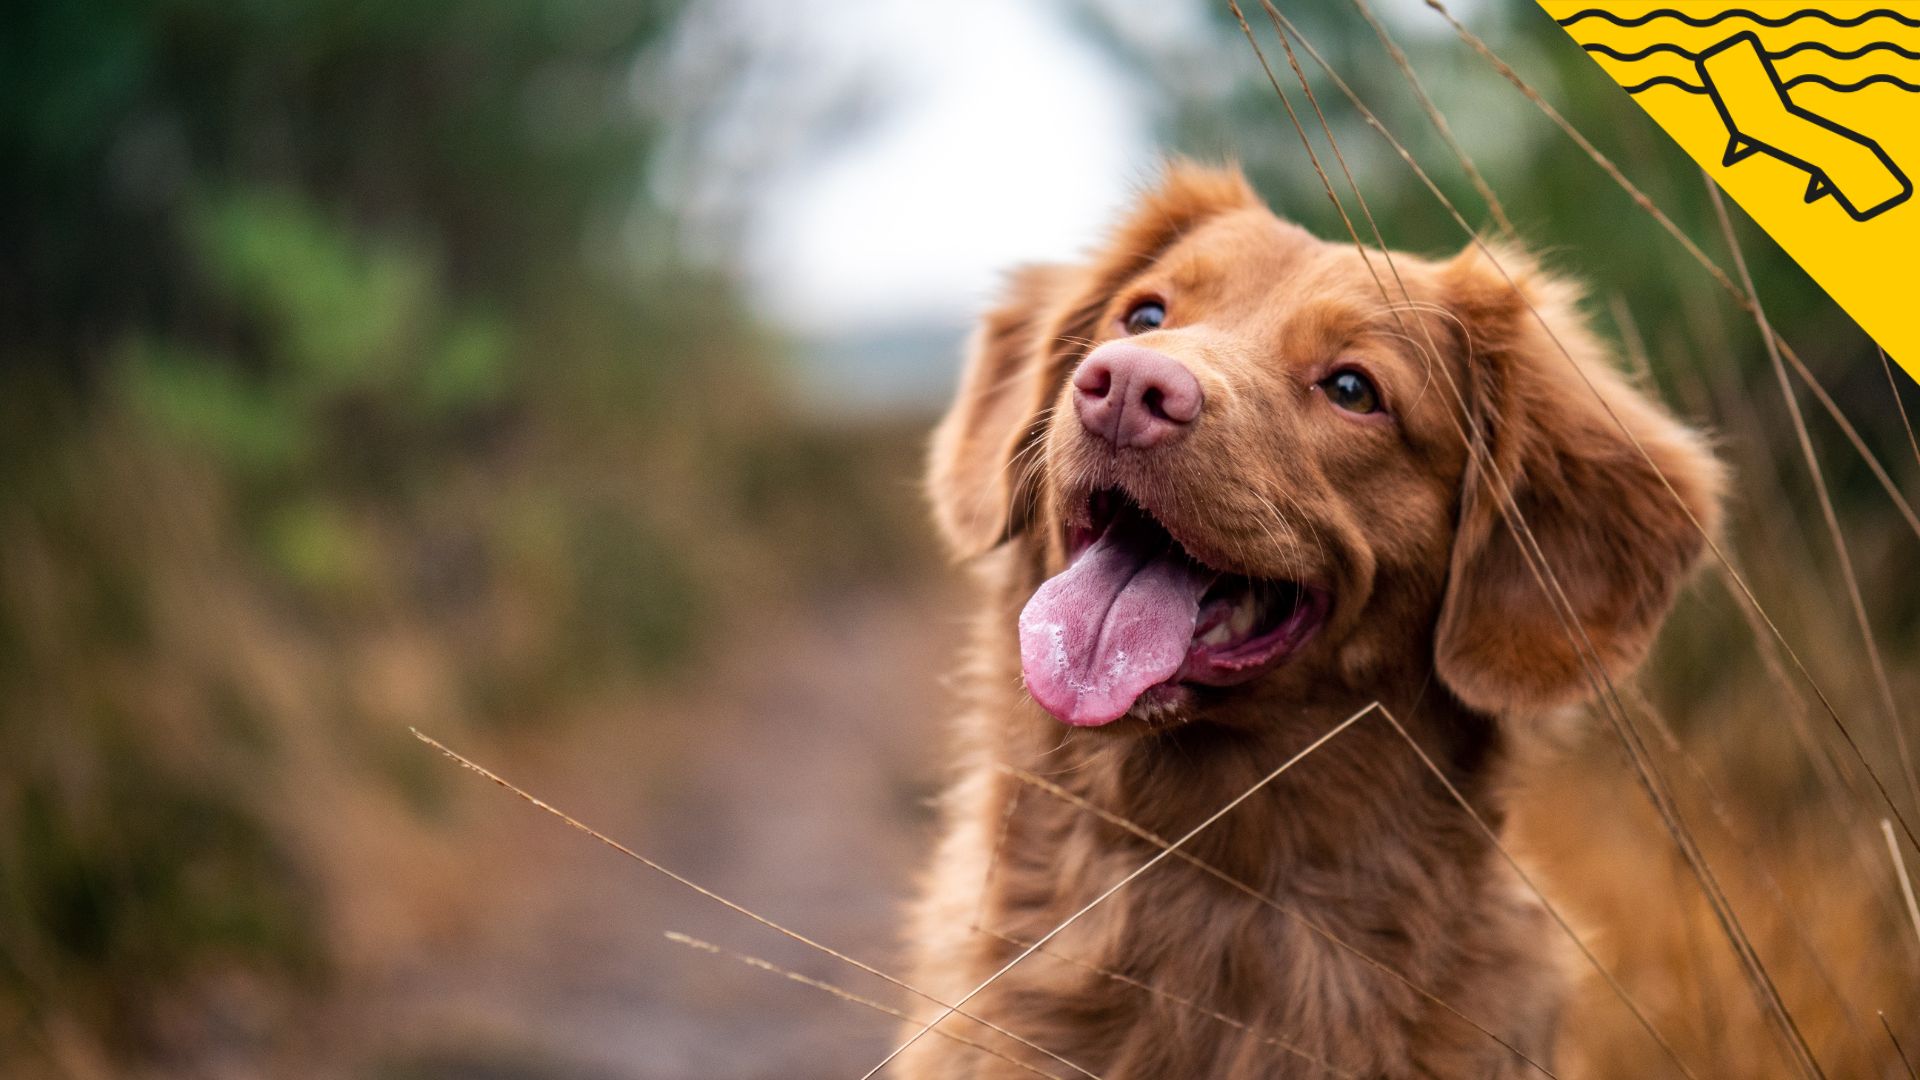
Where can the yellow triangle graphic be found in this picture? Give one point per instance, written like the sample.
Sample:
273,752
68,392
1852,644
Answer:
1807,112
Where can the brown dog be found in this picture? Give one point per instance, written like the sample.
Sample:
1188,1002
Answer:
1220,496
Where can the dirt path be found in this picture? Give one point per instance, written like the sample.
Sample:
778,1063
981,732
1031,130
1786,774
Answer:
793,779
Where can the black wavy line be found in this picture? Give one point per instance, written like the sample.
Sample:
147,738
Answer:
1691,88
1868,81
1666,80
1817,46
1734,13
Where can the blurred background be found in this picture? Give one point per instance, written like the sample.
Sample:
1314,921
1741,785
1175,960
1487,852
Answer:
552,377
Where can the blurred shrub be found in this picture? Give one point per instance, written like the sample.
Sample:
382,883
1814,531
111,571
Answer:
122,888
357,371
358,383
357,338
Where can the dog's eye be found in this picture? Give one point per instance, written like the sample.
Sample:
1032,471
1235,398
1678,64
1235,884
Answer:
1144,316
1351,391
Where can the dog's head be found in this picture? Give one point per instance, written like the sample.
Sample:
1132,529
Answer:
1254,467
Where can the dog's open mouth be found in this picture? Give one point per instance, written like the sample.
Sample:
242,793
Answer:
1133,611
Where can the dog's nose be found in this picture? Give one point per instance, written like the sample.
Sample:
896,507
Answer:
1133,396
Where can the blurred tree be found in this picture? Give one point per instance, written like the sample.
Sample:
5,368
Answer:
276,276
505,138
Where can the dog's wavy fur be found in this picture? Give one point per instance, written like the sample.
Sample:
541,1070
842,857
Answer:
1436,615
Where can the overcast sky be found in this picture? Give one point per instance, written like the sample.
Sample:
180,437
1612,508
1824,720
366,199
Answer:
989,133
983,134
1011,139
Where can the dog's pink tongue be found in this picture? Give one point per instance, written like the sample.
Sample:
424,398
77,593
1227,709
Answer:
1118,620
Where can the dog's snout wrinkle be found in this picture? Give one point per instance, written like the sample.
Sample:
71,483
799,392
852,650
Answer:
1133,396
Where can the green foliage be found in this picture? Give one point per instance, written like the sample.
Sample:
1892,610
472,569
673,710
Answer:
349,337
500,136
199,399
331,300
141,880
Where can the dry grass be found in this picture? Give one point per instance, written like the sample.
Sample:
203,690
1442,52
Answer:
1756,910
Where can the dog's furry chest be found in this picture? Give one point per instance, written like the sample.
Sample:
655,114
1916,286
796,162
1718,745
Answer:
1278,955
1189,974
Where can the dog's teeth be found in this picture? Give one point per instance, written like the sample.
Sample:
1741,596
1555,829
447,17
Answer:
1244,612
1235,623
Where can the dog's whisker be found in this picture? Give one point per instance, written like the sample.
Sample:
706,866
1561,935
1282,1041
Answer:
1086,761
1123,883
1026,461
843,994
1266,527
1306,520
1313,528
1293,553
1066,735
1427,364
793,935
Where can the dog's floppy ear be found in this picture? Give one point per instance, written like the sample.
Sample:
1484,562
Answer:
1615,540
1024,347
972,478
